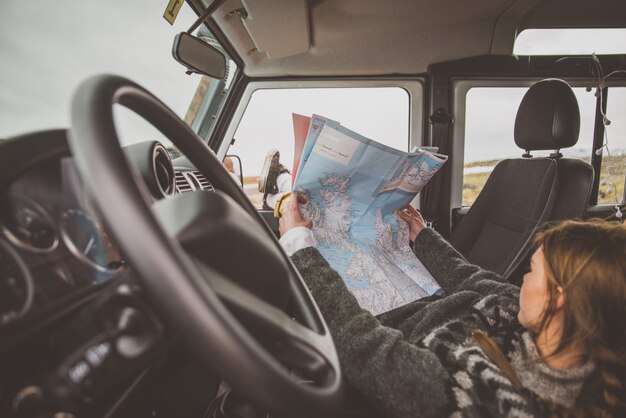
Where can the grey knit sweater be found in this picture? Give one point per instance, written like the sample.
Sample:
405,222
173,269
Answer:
419,360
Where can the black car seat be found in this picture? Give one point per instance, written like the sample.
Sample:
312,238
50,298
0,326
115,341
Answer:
522,193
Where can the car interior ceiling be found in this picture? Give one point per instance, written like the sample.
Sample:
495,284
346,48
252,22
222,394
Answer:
309,47
77,306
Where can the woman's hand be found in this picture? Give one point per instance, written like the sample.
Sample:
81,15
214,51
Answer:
292,217
411,216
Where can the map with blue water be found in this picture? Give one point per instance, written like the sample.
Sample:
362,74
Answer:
353,186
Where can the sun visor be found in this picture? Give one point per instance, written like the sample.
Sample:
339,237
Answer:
279,28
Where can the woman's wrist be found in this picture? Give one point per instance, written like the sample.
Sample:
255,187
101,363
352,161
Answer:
297,238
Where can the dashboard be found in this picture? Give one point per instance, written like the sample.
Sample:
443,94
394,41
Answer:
67,294
52,239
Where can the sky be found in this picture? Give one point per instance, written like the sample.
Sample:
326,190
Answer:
47,47
381,114
481,123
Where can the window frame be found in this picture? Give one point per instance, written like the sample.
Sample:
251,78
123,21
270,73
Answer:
460,88
415,89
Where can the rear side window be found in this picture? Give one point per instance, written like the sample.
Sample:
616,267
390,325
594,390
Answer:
613,173
490,118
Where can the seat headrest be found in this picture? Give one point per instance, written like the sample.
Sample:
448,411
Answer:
548,117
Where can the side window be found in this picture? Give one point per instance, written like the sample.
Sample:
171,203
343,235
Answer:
613,172
489,123
380,113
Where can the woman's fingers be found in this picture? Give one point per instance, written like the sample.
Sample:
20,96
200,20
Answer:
292,216
298,197
411,210
415,214
293,202
404,216
412,217
409,213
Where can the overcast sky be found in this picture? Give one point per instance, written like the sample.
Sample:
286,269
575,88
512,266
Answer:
47,47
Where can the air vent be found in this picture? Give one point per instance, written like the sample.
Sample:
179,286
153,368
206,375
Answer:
204,183
182,184
163,170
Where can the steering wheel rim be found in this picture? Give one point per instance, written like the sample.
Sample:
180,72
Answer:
170,276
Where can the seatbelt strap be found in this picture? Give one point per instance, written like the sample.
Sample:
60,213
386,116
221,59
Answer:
545,215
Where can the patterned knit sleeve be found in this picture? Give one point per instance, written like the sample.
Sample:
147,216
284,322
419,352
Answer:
452,271
400,378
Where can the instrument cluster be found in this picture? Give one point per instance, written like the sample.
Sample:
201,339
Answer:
51,240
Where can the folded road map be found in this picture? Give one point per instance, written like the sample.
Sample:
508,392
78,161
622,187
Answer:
353,186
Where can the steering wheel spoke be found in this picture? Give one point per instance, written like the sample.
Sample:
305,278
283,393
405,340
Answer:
298,347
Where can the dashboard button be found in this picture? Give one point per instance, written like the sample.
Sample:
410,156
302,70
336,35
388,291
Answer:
97,354
79,372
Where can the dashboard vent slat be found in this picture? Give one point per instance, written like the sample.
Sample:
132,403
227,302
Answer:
182,184
187,181
204,183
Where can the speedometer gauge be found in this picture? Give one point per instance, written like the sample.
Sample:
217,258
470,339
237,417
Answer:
88,241
27,225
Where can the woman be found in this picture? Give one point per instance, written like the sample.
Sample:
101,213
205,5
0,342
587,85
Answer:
488,348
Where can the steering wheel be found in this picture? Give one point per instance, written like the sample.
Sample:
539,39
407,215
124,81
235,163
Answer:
208,260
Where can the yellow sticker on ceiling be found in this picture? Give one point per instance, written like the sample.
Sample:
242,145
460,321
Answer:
172,10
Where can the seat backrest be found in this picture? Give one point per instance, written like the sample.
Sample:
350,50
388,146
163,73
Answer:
574,190
521,194
518,195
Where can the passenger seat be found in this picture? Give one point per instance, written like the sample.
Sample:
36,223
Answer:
521,194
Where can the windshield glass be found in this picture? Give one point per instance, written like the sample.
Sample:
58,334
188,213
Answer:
48,47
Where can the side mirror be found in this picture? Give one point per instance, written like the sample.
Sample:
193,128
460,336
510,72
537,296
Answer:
198,56
230,166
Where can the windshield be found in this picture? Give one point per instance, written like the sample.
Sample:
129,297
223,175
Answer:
49,47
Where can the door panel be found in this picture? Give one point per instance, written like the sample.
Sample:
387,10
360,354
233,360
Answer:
268,217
